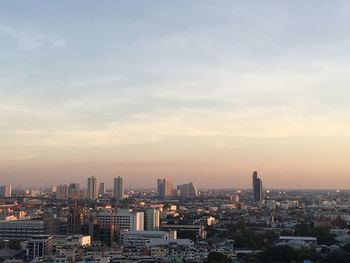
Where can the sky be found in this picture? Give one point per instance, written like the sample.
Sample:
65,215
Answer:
193,91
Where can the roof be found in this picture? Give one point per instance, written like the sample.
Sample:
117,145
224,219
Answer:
298,238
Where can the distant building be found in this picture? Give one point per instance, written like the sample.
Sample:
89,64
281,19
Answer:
101,189
164,188
62,192
187,190
118,190
257,188
74,191
5,191
92,188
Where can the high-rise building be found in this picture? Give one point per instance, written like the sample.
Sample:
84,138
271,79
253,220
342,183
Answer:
62,191
5,191
101,189
74,191
164,188
118,190
257,188
92,188
152,219
187,190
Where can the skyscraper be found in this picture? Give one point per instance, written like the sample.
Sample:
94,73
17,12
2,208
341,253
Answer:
5,191
101,189
257,188
164,188
118,190
92,188
187,190
73,191
62,191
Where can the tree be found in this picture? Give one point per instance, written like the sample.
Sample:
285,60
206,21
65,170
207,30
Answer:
216,257
14,244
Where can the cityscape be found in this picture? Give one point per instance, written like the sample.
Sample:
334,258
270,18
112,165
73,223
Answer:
104,222
174,131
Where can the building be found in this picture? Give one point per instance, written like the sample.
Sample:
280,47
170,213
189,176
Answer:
5,191
164,188
257,188
62,192
101,189
21,229
118,190
152,219
92,188
187,190
123,219
74,191
38,246
140,238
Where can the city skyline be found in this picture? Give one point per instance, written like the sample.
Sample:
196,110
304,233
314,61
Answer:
147,91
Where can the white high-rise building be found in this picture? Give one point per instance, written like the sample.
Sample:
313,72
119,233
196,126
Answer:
124,219
118,190
5,191
92,188
62,191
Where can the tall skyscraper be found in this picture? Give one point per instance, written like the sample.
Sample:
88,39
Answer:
257,188
101,189
92,188
164,188
74,191
5,191
187,190
62,191
118,190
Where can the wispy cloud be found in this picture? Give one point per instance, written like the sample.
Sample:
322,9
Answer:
29,41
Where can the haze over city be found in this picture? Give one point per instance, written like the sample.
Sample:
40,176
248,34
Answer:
201,91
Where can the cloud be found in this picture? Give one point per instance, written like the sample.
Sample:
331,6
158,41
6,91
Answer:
29,41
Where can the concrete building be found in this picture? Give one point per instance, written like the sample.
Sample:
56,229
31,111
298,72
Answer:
62,192
22,229
118,189
74,191
140,238
164,188
38,246
101,189
257,188
92,188
187,190
5,191
152,219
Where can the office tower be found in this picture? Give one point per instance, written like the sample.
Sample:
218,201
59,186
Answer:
165,188
118,190
187,190
257,188
74,191
101,189
92,188
5,191
152,219
62,192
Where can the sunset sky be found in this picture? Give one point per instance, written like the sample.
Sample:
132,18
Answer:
201,91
